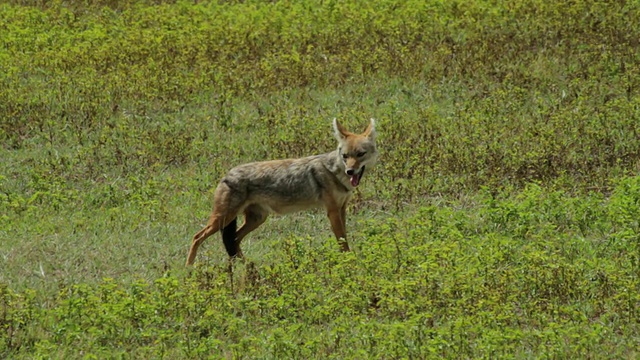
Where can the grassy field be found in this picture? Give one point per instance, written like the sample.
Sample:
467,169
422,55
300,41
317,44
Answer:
502,220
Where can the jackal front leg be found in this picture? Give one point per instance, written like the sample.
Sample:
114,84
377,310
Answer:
338,224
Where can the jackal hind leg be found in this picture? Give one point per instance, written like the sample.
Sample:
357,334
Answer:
211,228
225,210
254,216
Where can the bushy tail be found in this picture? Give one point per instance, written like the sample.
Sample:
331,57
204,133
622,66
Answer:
229,238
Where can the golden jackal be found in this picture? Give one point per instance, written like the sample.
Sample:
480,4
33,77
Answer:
284,186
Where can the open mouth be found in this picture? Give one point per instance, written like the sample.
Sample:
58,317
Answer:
355,178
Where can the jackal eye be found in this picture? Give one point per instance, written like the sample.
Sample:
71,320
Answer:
361,154
345,156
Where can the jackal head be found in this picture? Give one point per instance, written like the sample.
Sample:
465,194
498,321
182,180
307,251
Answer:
356,151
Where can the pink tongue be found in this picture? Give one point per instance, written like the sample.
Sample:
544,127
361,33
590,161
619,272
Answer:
355,180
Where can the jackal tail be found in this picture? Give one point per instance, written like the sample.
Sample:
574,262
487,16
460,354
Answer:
229,238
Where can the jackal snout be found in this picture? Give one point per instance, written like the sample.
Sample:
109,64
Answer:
354,172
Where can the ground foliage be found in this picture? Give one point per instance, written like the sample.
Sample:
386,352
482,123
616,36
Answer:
502,220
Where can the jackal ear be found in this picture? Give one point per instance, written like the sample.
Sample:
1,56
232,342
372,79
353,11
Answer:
370,131
339,130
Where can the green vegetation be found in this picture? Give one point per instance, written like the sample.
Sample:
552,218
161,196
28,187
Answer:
501,221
